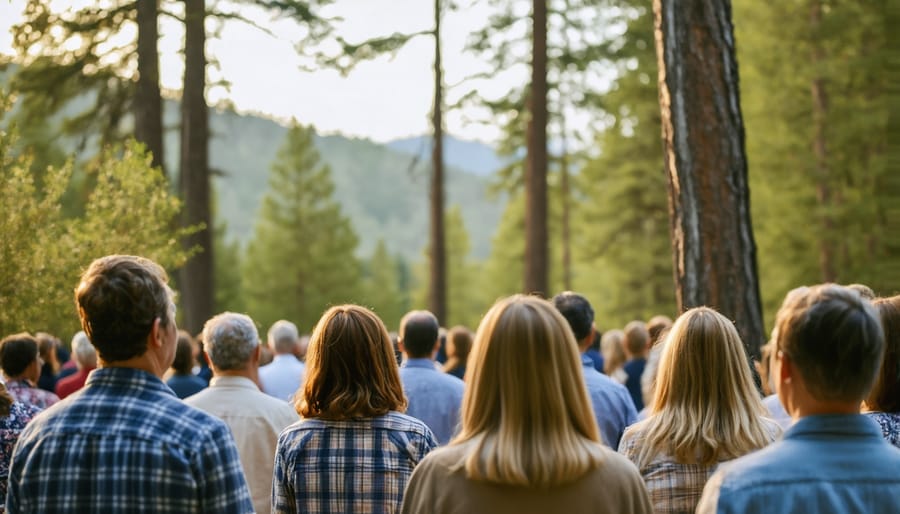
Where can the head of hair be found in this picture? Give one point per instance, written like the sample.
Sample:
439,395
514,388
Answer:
17,353
119,298
526,417
864,291
636,337
83,351
183,363
283,336
648,377
419,331
657,327
706,408
459,343
612,347
231,339
578,313
350,368
885,395
834,339
47,344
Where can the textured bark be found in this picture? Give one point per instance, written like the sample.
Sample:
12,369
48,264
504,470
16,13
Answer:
437,292
197,274
147,100
536,254
703,136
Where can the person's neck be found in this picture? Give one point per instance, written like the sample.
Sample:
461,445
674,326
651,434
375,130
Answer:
142,362
248,373
818,408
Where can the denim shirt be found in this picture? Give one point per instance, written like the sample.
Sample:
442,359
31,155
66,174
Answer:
613,408
434,397
830,464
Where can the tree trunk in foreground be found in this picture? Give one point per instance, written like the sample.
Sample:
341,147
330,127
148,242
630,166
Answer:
536,252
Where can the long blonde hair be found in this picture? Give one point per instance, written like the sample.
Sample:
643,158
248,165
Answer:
526,416
705,408
612,347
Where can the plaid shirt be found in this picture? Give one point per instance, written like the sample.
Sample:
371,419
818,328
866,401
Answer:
125,443
358,466
674,487
24,392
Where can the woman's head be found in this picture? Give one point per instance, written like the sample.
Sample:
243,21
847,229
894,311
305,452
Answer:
613,350
526,405
885,395
350,367
459,343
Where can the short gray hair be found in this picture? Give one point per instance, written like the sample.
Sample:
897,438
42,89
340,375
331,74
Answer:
84,352
283,336
230,339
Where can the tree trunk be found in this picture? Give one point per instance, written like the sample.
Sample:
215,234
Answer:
197,274
566,199
536,261
147,99
823,186
437,293
703,135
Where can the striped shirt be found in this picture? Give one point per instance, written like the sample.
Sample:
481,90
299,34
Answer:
125,443
352,466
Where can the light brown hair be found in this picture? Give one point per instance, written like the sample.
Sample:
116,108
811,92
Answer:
350,368
459,343
885,395
637,338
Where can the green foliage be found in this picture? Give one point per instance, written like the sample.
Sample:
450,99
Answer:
301,258
129,211
383,292
227,276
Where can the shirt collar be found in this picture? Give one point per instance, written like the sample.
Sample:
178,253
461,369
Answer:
586,361
230,381
126,378
419,363
844,425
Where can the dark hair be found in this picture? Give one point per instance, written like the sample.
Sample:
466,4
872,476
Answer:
184,354
885,395
657,327
118,299
419,332
350,368
17,352
834,338
577,311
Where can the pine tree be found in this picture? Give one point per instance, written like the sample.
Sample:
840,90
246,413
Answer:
301,258
382,287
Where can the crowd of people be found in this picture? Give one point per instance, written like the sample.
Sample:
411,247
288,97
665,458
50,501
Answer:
536,411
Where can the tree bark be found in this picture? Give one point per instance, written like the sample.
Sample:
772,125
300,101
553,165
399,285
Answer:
536,253
437,293
197,274
147,99
824,194
703,137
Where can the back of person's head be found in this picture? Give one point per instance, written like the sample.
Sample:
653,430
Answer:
83,351
183,363
706,407
648,377
612,347
419,331
350,368
864,291
47,345
283,336
578,312
459,343
657,328
885,395
17,353
526,416
119,298
231,339
834,339
637,338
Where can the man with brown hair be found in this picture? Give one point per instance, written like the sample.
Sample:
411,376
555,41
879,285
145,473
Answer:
829,347
126,444
637,342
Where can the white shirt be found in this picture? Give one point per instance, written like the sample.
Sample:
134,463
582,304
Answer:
777,412
255,420
282,377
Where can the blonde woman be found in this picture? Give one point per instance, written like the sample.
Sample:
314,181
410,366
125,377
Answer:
612,346
528,442
705,410
354,450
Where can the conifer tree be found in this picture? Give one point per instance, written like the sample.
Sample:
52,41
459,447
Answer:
382,287
301,257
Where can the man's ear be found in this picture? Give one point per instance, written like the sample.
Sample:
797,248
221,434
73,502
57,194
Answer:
155,338
786,371
400,346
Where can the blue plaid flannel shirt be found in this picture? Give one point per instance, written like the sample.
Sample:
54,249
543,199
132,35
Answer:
126,443
358,466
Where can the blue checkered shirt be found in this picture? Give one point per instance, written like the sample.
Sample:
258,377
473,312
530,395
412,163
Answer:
126,444
358,466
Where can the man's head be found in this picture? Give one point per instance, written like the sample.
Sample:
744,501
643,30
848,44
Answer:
122,300
232,341
637,339
83,351
19,356
418,336
283,337
578,312
829,337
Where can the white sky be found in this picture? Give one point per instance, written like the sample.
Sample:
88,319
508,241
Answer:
382,100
